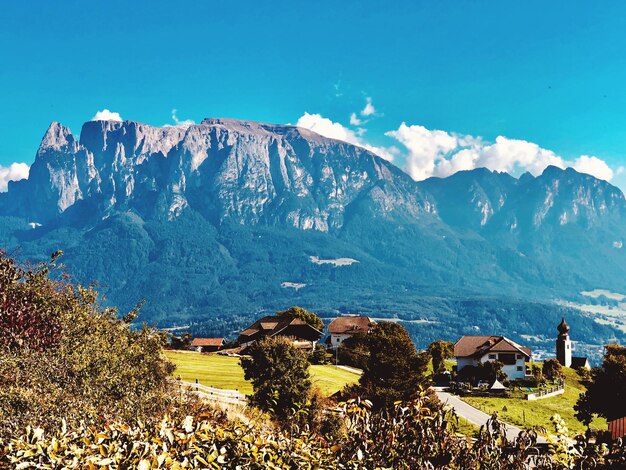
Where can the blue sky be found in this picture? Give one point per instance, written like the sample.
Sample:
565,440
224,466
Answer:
508,85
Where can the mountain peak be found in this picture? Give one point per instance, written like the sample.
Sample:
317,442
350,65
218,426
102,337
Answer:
552,170
56,137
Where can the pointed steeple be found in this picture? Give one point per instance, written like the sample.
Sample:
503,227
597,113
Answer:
564,344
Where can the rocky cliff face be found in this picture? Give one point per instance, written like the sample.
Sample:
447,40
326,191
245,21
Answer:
225,169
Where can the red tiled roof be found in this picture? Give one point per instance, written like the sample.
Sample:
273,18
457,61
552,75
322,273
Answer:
469,346
199,342
349,325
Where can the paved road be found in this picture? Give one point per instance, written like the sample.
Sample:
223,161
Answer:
475,416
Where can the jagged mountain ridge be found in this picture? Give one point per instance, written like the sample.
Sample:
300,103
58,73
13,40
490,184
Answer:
225,169
212,219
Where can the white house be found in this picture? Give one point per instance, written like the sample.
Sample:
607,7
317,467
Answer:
472,350
342,328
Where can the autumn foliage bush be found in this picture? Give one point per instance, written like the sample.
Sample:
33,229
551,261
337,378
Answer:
63,357
408,436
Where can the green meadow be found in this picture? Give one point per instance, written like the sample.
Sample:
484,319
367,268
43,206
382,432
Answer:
225,372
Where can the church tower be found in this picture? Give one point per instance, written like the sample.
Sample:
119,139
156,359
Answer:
564,345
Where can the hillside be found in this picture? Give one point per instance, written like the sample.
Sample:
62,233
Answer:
523,413
217,223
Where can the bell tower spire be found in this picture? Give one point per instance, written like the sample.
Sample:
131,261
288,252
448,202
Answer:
564,344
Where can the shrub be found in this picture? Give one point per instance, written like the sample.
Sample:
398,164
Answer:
417,434
319,355
279,373
440,351
552,369
354,352
88,364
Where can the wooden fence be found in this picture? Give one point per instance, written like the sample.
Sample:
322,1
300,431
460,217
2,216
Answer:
232,397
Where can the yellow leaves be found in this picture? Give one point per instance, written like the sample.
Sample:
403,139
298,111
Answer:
105,462
144,465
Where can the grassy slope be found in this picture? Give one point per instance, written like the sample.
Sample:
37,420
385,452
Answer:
539,412
225,372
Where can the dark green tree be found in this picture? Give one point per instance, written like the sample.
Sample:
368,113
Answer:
606,392
394,369
354,351
279,373
309,317
319,355
440,351
181,342
552,369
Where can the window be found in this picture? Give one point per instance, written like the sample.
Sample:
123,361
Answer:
508,359
519,356
520,368
492,356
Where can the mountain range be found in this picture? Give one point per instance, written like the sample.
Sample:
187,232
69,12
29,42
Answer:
217,223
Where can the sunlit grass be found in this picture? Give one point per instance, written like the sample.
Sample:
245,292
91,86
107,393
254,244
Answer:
225,372
523,413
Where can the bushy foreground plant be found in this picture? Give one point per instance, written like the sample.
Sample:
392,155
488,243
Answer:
63,357
414,435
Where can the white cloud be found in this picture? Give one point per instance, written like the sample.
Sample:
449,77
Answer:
369,108
425,148
13,172
334,130
106,115
354,120
327,128
442,153
595,167
186,123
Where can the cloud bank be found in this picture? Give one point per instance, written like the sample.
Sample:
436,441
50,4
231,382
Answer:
13,172
427,152
441,153
106,115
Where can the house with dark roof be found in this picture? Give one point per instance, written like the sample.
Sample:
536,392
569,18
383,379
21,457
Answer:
303,335
207,344
342,328
475,350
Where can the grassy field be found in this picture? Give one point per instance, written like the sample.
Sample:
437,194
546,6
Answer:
225,372
525,413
